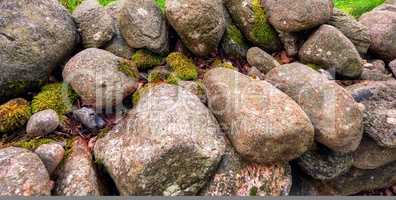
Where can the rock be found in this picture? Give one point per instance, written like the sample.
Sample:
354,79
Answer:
392,67
352,29
294,16
199,23
236,177
42,123
100,78
173,144
51,155
77,176
330,48
195,87
255,73
337,118
23,174
143,26
35,36
263,124
89,118
375,71
370,155
380,114
234,43
94,23
323,164
261,60
251,18
291,42
381,23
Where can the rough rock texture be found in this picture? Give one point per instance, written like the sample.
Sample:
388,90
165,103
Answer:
381,23
375,71
323,164
77,176
236,177
42,123
261,60
169,144
291,42
100,78
379,120
294,16
337,118
352,29
51,155
392,67
330,48
370,155
94,23
263,124
89,118
196,88
199,23
143,26
35,36
233,42
23,174
255,73
251,17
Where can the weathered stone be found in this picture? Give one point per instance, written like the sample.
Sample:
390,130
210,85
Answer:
263,124
89,118
375,71
255,73
23,174
294,16
234,43
196,88
173,144
392,67
261,60
42,123
337,118
35,36
380,114
199,23
291,42
100,78
330,48
77,176
51,155
143,26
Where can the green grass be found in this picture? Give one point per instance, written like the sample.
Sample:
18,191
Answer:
72,4
357,7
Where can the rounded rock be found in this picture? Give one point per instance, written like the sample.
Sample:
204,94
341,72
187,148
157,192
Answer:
42,123
261,60
51,155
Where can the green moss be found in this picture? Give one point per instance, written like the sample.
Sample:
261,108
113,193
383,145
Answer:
221,63
314,66
32,144
160,4
14,114
253,191
129,69
140,92
145,59
357,7
102,133
57,96
183,67
263,32
105,2
173,79
235,35
71,5
158,75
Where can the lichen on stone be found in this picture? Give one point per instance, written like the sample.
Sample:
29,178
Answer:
357,7
263,32
57,96
129,69
14,114
182,67
145,59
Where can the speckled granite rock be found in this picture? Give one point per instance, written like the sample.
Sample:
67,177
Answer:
51,155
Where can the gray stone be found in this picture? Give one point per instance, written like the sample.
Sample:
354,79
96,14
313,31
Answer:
255,73
23,174
51,155
173,144
261,60
234,43
199,23
42,123
330,48
35,36
195,87
291,42
337,118
89,118
263,124
375,71
392,67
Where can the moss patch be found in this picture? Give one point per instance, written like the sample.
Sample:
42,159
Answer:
160,4
71,5
263,32
140,92
183,67
314,66
14,114
57,96
357,7
129,69
32,144
236,35
145,59
221,63
105,2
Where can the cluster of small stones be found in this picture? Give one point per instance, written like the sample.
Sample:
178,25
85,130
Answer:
196,97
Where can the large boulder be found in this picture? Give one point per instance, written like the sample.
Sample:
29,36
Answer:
294,16
169,144
330,48
199,23
35,36
263,124
336,116
143,26
23,174
379,119
100,78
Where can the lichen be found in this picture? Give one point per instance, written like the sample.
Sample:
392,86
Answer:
57,96
160,4
129,69
357,7
182,66
263,32
14,114
221,63
32,144
145,59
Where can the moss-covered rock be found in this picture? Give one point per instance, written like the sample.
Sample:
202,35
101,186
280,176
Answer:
357,7
140,92
57,96
14,114
182,66
129,69
234,43
32,144
223,63
145,59
158,74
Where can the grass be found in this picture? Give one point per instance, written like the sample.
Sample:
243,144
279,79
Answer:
357,8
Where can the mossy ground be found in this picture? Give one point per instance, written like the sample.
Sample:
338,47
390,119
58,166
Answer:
183,68
14,114
71,5
160,4
33,143
357,7
263,32
145,59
